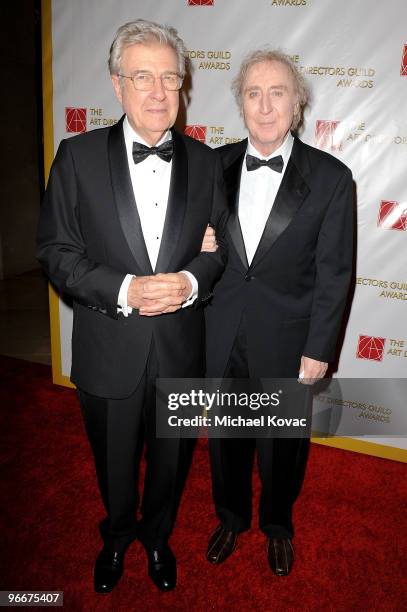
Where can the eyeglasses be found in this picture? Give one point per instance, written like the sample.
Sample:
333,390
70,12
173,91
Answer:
144,81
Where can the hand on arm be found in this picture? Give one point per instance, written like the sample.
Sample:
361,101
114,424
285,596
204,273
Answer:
311,370
209,244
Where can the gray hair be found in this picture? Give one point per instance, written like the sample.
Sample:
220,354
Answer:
141,31
273,55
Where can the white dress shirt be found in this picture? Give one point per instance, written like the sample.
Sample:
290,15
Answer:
258,190
150,180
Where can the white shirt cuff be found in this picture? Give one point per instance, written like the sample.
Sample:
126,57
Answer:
122,299
194,293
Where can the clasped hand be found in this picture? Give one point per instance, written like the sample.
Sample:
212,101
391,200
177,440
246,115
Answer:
159,293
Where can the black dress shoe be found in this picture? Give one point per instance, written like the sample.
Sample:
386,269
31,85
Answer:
162,568
221,545
280,555
108,570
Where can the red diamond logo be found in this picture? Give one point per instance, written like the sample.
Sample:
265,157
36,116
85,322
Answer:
325,136
196,131
403,68
392,215
200,2
370,347
75,120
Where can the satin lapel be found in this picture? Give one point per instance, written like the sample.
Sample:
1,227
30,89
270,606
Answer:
232,176
293,191
124,198
176,207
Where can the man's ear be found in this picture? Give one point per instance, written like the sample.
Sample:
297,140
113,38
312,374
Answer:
117,86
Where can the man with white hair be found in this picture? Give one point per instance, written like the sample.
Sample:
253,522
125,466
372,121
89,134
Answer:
277,309
120,231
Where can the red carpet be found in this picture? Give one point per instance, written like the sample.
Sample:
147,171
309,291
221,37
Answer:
351,522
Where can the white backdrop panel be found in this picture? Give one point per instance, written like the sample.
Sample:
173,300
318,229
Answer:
352,54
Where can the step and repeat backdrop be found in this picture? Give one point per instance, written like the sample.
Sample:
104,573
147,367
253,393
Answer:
354,55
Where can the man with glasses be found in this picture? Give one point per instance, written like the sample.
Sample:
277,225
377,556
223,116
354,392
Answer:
120,231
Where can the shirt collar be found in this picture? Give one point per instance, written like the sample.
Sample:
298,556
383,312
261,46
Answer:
284,149
130,135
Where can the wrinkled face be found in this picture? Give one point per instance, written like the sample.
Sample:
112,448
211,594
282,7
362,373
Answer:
150,113
269,102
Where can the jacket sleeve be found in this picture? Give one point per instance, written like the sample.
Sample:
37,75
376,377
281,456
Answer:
208,267
61,248
333,272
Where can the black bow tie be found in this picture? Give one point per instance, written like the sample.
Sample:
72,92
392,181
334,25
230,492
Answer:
275,163
141,152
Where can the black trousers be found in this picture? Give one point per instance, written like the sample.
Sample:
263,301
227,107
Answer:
281,463
117,431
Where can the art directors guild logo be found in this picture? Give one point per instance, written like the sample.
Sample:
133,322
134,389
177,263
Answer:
76,119
201,2
334,135
392,215
196,131
372,348
210,60
403,68
327,135
213,135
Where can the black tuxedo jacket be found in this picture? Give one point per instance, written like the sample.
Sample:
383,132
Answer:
293,293
90,237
